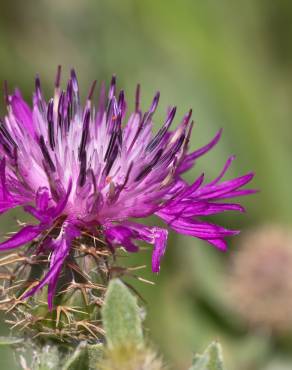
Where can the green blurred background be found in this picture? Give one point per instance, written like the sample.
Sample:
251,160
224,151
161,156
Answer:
231,62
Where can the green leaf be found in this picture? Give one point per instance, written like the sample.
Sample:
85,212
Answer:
8,341
121,316
47,358
211,359
95,352
78,360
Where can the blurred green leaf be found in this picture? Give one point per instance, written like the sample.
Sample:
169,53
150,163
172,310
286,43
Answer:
7,341
94,354
211,359
48,358
78,360
121,317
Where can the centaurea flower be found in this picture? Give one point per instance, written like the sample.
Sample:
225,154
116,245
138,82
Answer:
81,170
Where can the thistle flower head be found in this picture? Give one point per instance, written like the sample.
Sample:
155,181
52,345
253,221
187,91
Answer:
86,170
260,278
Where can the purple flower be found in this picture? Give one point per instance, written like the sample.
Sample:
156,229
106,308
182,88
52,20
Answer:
78,169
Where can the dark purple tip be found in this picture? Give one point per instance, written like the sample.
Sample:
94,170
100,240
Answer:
50,110
189,133
61,108
148,168
69,91
121,98
50,117
154,103
84,133
170,117
188,117
112,89
58,76
82,173
46,154
74,80
7,141
121,103
137,98
38,84
160,134
111,145
111,159
128,174
91,91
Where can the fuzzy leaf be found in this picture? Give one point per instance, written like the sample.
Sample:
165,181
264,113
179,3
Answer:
95,352
8,341
121,317
48,358
78,360
211,359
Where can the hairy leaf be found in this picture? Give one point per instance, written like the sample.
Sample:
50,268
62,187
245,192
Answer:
121,316
211,359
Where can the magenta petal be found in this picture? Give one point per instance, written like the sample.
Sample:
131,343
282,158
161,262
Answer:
239,193
159,248
22,113
8,205
3,189
226,187
52,284
190,159
141,232
42,198
189,189
214,208
42,217
4,207
61,248
205,149
219,244
225,168
199,229
40,212
23,236
62,203
54,271
153,235
121,235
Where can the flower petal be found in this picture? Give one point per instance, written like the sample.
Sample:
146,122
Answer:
22,113
153,235
190,159
199,229
159,248
121,235
23,236
218,243
42,198
3,188
226,187
61,250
